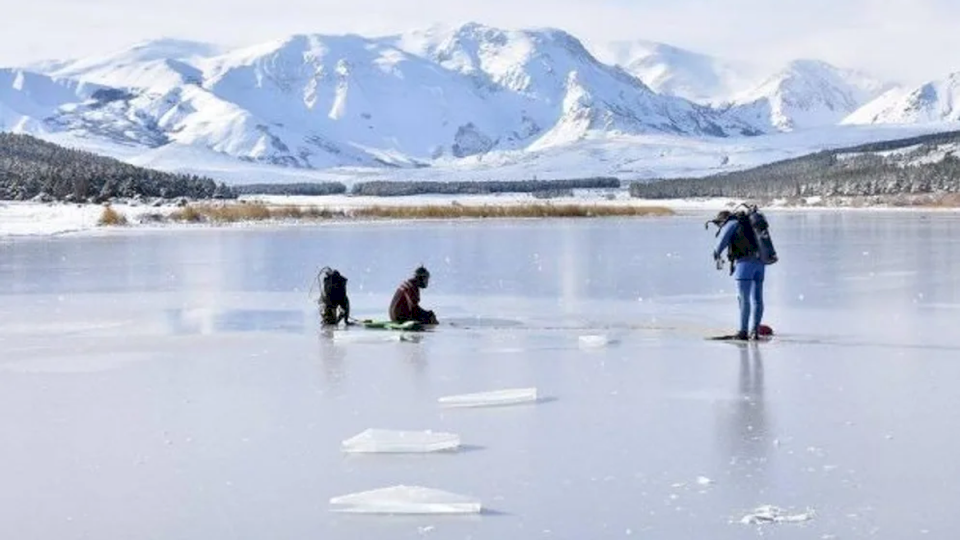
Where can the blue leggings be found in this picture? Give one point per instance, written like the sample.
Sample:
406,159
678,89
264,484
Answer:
751,292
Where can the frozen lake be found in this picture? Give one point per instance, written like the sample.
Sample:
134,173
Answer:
175,384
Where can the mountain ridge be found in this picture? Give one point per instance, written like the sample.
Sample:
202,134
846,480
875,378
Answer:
449,97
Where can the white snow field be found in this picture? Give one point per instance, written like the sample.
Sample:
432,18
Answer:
174,383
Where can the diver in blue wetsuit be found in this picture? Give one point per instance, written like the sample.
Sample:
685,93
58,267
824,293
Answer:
739,240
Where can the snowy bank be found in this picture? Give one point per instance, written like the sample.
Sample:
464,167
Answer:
28,218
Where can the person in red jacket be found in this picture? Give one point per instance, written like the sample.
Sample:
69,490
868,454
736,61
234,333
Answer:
405,305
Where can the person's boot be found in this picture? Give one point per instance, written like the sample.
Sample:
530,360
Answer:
742,335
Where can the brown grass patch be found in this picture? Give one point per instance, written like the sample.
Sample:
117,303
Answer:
256,211
944,200
239,212
110,217
507,211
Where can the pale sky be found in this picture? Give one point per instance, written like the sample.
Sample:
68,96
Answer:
910,41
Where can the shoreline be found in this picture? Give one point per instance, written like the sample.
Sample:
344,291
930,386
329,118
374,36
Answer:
31,218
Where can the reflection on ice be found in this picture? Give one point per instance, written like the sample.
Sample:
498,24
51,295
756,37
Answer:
748,425
406,500
394,441
510,396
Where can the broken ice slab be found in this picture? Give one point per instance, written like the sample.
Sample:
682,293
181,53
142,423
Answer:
509,396
594,341
394,441
371,337
405,500
773,514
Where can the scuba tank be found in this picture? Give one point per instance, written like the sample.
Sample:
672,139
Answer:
761,229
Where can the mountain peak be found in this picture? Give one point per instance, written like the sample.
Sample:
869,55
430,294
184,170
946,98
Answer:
934,101
674,71
808,65
173,49
809,93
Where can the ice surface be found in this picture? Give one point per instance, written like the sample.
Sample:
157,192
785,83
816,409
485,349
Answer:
508,396
220,392
406,500
395,441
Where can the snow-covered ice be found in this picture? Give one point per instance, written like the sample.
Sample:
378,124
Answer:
406,500
398,441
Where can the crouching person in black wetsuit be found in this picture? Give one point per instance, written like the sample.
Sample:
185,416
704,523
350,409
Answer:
334,302
405,305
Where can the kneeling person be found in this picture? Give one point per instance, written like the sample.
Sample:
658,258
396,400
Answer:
405,305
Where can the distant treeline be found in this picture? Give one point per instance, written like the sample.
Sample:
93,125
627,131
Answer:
395,188
30,167
302,188
828,173
403,188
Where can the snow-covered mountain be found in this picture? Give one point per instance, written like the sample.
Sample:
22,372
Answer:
803,94
679,72
806,94
321,101
560,85
936,101
462,98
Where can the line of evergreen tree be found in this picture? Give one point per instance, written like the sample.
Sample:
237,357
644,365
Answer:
404,188
852,171
31,168
302,188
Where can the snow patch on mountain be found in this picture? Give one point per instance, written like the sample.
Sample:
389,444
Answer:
161,63
911,156
26,98
679,72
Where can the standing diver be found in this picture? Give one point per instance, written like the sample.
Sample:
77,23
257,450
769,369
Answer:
748,259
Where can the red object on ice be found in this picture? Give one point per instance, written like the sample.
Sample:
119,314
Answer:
764,330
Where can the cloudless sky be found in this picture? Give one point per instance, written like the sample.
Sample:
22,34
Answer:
910,41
